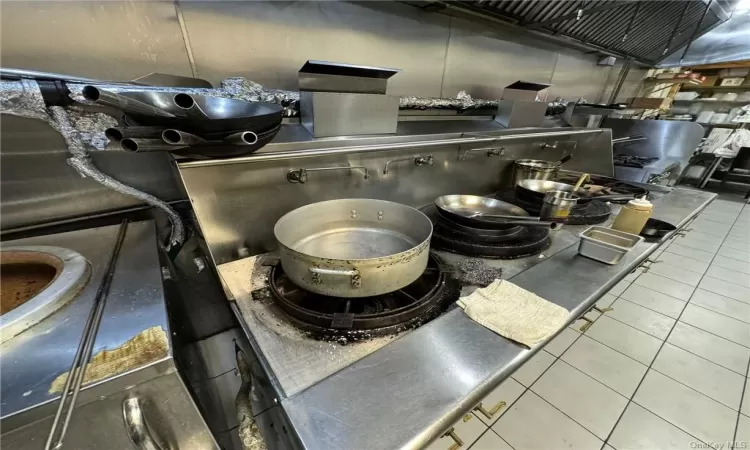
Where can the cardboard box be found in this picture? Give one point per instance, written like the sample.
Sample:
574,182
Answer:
526,90
650,103
710,80
736,81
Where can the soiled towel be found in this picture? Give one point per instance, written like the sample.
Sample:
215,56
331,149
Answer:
514,313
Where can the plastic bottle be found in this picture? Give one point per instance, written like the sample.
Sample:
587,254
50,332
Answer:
633,216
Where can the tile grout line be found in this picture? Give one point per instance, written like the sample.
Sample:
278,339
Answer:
739,410
609,436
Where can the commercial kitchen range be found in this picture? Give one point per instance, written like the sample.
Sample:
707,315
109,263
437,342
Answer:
408,374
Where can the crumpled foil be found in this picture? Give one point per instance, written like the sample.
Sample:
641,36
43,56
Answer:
80,129
463,101
248,429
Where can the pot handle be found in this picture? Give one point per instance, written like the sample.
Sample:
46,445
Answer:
353,273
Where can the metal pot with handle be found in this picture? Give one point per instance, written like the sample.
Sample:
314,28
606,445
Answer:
354,247
536,169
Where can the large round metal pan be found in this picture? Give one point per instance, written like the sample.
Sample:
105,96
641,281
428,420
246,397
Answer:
353,247
465,208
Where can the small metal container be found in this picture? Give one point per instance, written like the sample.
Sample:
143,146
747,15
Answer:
534,169
557,205
606,245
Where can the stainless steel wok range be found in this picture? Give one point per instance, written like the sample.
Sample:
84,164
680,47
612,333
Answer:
353,269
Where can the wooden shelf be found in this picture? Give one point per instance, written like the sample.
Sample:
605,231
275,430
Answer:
703,100
743,87
720,125
685,81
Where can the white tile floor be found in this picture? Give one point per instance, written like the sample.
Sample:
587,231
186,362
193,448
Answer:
667,368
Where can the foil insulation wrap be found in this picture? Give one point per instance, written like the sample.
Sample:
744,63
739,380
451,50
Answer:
81,130
462,102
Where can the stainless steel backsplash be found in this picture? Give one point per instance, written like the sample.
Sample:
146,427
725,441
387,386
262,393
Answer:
237,204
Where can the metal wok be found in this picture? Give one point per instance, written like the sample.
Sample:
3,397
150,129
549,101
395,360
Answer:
354,247
473,210
531,190
214,116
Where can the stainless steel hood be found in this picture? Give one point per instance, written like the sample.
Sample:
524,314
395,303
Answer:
643,31
729,41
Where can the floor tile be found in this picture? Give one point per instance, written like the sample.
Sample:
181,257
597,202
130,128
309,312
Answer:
734,253
720,304
607,366
681,274
507,392
709,379
704,237
696,414
490,441
625,339
743,432
730,290
739,235
711,347
605,301
731,263
719,217
736,245
716,323
520,427
663,303
683,261
561,342
532,369
746,399
640,429
716,229
618,288
665,285
644,319
681,250
581,398
730,275
698,244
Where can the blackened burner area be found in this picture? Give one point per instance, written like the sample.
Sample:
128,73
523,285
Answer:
352,319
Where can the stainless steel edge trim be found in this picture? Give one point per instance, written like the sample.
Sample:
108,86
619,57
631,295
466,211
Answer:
379,147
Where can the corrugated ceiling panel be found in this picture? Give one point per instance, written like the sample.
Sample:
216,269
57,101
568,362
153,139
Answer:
605,27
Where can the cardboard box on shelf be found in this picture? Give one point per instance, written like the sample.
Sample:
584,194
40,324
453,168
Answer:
650,103
735,81
710,80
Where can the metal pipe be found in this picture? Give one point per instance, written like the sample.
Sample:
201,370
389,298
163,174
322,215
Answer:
620,81
116,134
242,138
187,103
625,139
137,145
49,76
300,175
419,161
85,347
696,31
125,104
177,137
278,156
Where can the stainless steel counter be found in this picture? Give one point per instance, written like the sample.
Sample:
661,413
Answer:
411,390
134,323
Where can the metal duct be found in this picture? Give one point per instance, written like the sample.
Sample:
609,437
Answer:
729,41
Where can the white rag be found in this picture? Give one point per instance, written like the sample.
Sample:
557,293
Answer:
514,312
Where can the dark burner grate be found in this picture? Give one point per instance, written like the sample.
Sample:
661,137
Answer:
352,319
634,161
